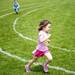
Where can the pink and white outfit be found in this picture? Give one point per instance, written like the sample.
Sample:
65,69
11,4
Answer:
41,48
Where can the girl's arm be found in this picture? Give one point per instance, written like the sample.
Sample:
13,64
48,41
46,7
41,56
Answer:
44,38
46,43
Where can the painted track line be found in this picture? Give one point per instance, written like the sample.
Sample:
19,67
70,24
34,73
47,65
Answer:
23,60
13,12
2,16
14,24
21,7
4,10
25,37
24,5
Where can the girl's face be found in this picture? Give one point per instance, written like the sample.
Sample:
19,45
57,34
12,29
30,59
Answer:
47,28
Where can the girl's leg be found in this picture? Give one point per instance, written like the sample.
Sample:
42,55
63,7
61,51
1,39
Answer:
49,58
27,66
32,61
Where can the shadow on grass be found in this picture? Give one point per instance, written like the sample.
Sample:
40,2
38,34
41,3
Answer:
38,69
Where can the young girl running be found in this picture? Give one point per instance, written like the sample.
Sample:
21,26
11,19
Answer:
42,47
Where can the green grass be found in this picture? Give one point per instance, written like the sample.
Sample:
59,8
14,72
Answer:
59,12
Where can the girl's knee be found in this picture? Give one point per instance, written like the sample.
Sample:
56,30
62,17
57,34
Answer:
50,58
35,58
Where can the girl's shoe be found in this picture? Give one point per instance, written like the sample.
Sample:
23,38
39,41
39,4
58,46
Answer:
45,68
27,68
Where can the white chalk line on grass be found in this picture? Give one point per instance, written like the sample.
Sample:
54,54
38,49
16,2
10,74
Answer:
13,12
21,6
2,16
14,23
21,35
23,60
27,4
4,10
25,37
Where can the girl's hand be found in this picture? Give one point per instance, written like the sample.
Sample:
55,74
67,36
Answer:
49,35
46,42
49,40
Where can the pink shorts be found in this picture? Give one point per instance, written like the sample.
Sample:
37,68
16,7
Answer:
39,53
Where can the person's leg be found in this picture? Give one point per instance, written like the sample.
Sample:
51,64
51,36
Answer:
27,66
32,61
16,10
49,58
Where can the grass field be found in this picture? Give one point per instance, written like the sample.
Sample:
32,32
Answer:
19,32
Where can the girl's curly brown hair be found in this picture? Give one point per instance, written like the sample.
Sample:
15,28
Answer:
43,24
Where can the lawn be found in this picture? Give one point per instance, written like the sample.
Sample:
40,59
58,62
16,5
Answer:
18,35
